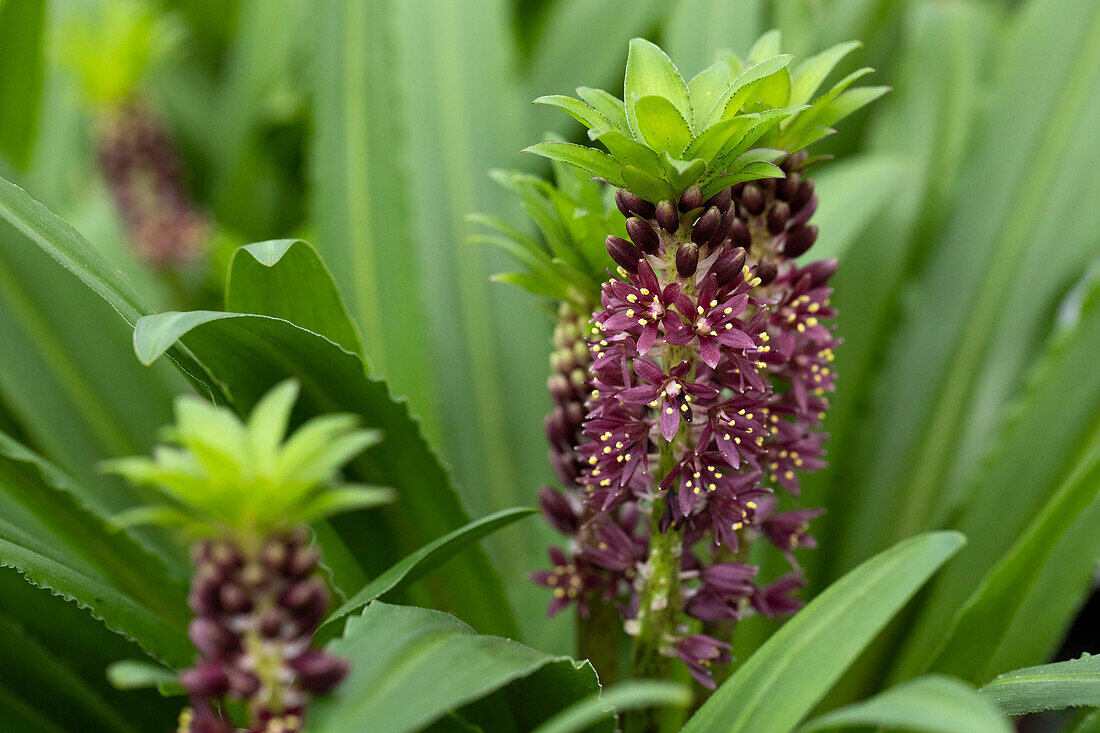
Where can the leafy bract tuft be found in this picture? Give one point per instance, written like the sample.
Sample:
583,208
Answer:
225,476
726,125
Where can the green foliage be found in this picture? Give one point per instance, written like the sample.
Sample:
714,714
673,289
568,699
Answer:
248,478
404,677
932,704
1074,683
779,684
22,32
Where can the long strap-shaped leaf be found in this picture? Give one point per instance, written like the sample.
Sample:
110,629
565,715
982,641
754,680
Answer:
932,704
1075,683
782,682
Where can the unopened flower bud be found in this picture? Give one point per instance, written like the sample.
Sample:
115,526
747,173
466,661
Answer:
623,252
787,189
243,684
724,227
303,562
558,511
728,265
820,271
643,235
706,225
233,599
777,217
211,638
805,191
799,240
667,216
687,259
739,233
752,199
802,215
630,204
766,271
270,623
721,200
207,679
692,198
319,671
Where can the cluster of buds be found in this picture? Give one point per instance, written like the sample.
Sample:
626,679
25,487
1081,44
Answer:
255,616
568,387
709,380
141,166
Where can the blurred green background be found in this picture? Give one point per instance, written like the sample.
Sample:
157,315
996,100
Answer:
963,208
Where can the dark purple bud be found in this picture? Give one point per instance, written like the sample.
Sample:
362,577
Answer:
574,414
777,217
206,679
561,515
211,638
727,266
274,554
270,623
724,227
319,671
739,233
304,594
799,240
203,597
206,719
243,684
788,187
303,562
559,388
623,252
692,198
233,599
557,431
820,271
778,598
721,200
766,271
630,204
805,191
794,161
668,217
802,215
687,259
752,199
706,226
643,234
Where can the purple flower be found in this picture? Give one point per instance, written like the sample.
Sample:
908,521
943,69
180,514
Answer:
699,652
569,580
671,393
777,598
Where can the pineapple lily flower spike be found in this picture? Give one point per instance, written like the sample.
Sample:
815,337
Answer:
246,494
709,364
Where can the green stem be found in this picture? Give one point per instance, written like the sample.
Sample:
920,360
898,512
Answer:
598,638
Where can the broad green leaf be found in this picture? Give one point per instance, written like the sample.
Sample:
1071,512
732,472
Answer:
706,87
932,704
811,73
361,203
419,563
250,354
48,683
719,136
628,151
649,71
661,125
410,667
645,184
779,684
1075,683
286,278
578,110
119,612
1044,415
596,162
22,41
980,626
46,506
743,87
630,695
606,104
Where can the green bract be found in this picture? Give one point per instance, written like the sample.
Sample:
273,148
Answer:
243,478
727,125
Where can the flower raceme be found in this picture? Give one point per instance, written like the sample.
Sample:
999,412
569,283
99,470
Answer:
247,494
710,351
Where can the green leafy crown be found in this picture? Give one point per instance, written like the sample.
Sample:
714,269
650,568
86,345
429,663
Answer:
229,476
727,125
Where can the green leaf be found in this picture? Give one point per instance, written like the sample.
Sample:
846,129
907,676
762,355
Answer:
132,674
22,32
853,192
419,563
930,704
810,74
649,71
1070,684
120,613
661,125
596,162
411,666
578,110
643,183
361,202
781,683
706,87
980,627
340,499
745,86
630,695
287,279
249,354
607,105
